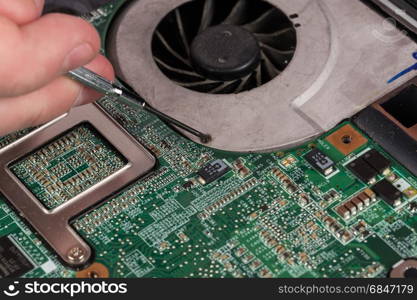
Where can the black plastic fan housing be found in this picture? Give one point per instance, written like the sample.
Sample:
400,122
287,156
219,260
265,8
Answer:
225,52
224,46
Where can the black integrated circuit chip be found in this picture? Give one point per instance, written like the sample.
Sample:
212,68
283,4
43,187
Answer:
377,161
361,169
320,161
388,192
212,171
13,263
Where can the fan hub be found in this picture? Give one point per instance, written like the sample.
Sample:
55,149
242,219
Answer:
225,52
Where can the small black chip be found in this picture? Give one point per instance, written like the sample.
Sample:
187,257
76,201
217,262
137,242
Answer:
388,192
187,184
212,171
361,169
320,161
413,207
377,161
13,262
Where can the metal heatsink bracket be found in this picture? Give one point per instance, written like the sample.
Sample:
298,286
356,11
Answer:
54,225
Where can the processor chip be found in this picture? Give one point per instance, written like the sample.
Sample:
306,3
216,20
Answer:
13,263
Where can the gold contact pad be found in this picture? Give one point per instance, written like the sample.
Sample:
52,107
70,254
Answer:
95,270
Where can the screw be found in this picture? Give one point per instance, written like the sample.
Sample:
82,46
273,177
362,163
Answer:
76,255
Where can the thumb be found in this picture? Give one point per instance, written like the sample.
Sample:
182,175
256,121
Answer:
35,54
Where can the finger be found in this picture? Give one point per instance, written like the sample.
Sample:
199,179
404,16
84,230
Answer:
21,11
33,55
49,102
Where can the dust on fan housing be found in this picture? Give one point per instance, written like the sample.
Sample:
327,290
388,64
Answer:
213,24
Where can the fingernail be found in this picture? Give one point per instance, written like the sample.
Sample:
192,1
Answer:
77,57
38,3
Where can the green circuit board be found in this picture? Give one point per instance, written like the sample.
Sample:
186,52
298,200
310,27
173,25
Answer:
267,215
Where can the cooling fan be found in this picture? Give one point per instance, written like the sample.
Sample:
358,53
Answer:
257,75
223,47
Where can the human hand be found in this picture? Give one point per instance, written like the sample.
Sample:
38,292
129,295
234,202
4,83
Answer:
35,54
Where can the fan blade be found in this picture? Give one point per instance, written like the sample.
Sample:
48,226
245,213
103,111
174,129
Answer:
258,76
181,30
222,87
263,22
270,68
243,83
197,83
284,38
275,34
206,86
208,13
277,51
279,58
177,70
171,50
237,14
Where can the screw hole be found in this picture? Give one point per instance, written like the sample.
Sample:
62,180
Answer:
93,274
410,273
347,139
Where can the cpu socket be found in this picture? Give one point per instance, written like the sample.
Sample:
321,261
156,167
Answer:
127,159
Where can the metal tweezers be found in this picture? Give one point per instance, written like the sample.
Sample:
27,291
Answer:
113,89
